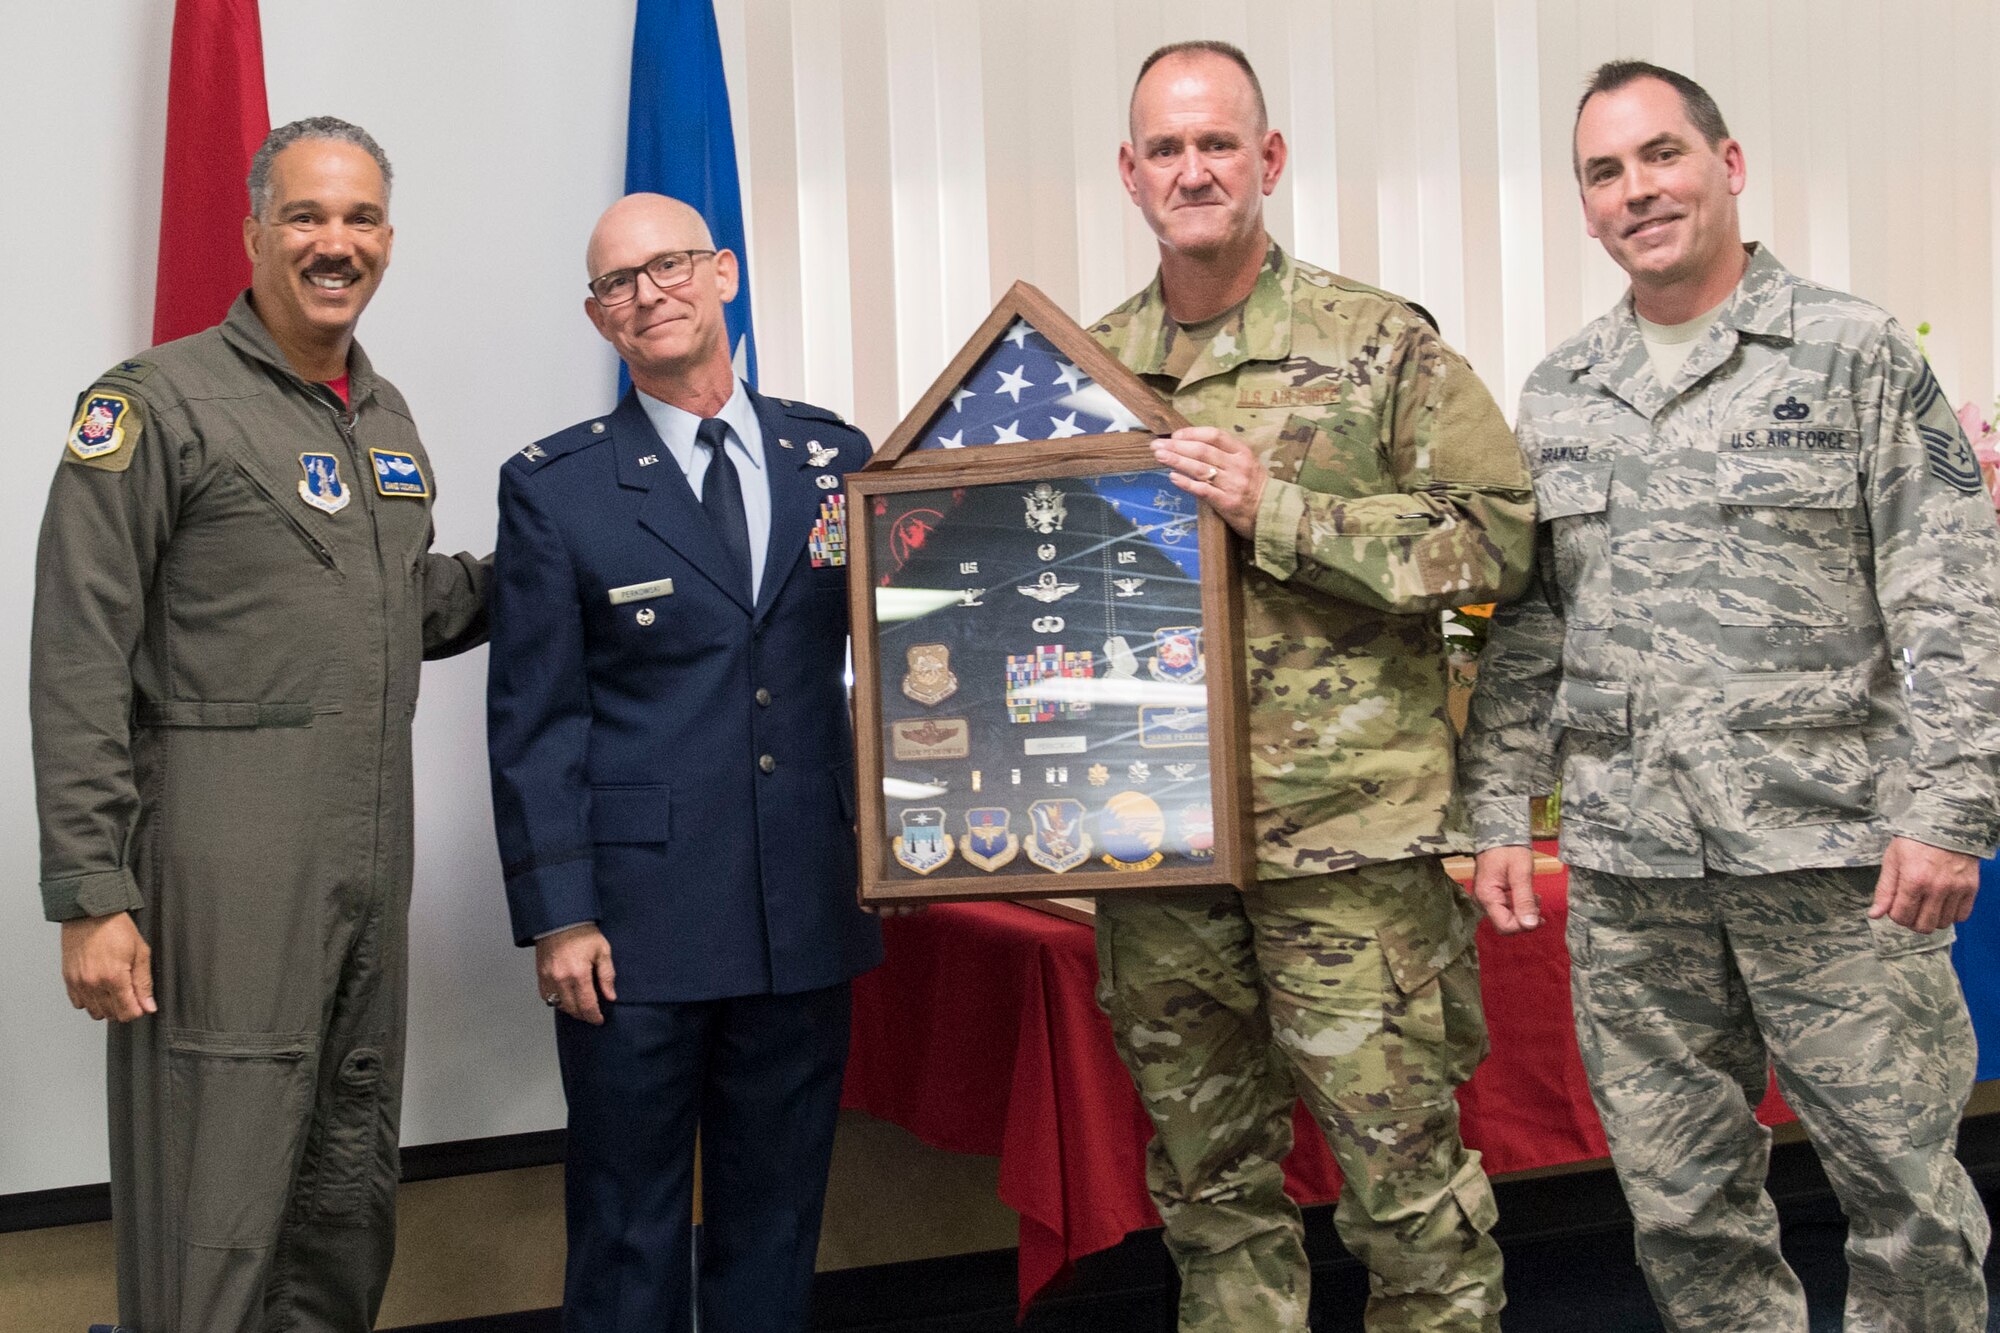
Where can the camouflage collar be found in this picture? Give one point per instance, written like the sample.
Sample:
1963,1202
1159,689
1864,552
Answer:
1260,331
1613,352
244,330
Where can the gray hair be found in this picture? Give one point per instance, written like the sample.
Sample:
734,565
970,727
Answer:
312,127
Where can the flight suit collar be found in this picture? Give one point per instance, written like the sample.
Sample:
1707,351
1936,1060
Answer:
244,330
1612,354
1260,330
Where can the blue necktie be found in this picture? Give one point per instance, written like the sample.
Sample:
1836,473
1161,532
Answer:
722,497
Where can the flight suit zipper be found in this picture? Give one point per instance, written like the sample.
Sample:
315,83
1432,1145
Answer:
343,420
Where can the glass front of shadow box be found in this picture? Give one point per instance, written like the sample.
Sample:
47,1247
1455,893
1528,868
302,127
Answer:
1042,666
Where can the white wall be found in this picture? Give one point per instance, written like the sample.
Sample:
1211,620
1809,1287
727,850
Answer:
905,160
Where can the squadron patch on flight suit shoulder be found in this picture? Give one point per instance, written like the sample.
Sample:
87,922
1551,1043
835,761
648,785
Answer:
399,474
106,425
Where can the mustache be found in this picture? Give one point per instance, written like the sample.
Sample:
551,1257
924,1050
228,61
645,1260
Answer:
332,268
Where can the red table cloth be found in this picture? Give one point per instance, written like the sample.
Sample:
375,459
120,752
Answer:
980,1033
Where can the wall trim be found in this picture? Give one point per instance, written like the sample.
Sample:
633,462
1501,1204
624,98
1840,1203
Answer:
75,1204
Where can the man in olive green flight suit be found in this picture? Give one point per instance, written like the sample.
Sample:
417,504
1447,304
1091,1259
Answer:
234,593
1374,483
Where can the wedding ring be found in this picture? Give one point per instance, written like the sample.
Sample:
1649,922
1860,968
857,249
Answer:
551,1000
1212,470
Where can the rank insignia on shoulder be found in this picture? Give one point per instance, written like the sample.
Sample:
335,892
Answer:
1058,842
818,455
399,474
104,423
923,845
987,843
322,487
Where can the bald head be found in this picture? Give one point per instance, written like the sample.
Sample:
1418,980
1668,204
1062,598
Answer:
648,223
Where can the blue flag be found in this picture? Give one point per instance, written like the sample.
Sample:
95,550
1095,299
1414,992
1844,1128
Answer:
678,141
1977,955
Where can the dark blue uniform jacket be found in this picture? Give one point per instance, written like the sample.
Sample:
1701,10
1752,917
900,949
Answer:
676,766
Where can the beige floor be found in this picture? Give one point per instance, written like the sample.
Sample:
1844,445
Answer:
493,1243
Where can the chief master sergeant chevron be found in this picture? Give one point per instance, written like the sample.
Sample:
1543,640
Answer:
1375,483
1764,648
234,594
673,788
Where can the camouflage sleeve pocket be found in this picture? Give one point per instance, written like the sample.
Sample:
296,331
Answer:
1587,705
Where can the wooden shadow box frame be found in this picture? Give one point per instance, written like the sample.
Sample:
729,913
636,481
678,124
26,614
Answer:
900,468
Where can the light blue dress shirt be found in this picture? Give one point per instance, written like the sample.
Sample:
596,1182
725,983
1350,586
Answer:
676,429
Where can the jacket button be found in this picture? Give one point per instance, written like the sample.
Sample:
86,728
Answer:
763,696
767,763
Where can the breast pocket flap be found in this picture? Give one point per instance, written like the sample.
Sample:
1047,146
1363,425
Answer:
1573,489
1767,479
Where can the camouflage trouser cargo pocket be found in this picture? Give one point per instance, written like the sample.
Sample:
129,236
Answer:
1936,1076
349,1174
239,1103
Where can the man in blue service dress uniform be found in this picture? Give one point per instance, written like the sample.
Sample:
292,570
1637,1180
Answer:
674,795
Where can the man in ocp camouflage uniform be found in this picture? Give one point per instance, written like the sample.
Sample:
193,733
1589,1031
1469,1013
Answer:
1763,648
1374,483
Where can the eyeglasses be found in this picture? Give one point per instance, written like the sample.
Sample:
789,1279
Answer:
668,271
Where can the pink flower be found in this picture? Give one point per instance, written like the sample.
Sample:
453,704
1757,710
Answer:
1985,439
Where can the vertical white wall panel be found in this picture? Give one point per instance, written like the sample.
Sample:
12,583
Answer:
1523,171
1310,119
825,309
1830,246
1484,338
1394,131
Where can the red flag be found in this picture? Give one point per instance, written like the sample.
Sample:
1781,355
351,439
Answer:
216,118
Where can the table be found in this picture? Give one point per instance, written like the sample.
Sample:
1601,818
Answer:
980,1033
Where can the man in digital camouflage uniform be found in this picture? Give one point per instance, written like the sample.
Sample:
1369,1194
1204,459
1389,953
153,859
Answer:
1374,483
234,594
1763,648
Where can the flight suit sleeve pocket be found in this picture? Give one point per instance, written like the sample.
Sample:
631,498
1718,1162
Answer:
240,1104
1772,700
1594,706
1565,492
630,814
1766,479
